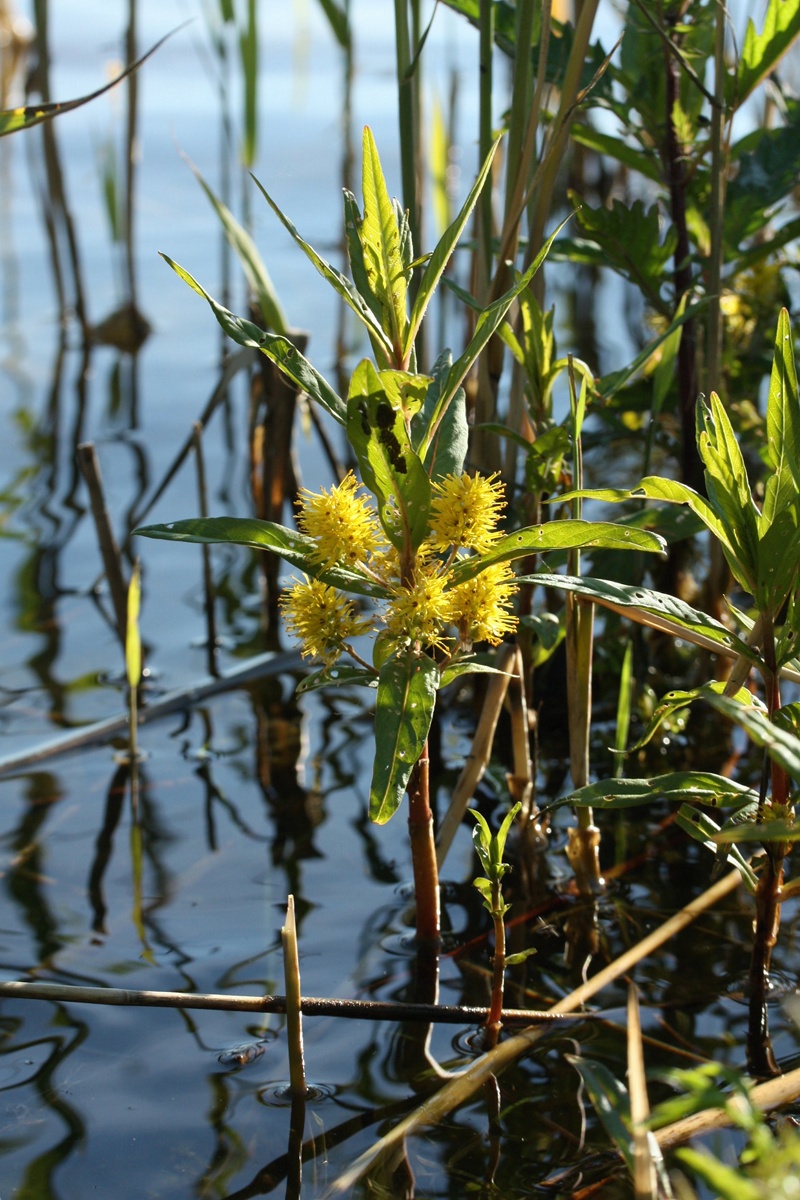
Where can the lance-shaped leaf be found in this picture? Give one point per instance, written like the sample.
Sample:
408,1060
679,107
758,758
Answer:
403,714
703,787
252,264
728,486
676,700
486,326
557,535
782,747
702,828
14,119
295,548
339,282
783,425
611,1103
653,487
438,261
278,349
382,250
339,675
658,610
378,433
448,450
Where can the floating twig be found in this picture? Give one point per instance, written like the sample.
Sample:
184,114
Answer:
310,1006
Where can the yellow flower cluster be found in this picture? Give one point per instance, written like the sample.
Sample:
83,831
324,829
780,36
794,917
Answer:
423,607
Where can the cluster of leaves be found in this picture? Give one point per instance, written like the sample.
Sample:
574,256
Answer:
408,432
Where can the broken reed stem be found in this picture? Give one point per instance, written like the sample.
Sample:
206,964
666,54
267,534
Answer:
310,1006
294,1019
109,550
208,578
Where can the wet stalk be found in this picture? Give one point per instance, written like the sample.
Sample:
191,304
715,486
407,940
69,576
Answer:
761,1060
423,853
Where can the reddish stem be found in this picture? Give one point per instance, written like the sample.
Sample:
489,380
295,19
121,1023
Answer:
423,851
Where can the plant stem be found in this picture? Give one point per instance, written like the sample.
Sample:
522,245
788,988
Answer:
675,166
493,1020
423,852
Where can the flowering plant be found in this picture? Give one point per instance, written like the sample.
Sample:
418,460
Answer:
421,537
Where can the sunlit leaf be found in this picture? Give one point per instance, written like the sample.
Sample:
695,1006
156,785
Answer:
441,255
729,489
447,451
380,242
403,714
340,283
133,641
278,349
703,787
557,535
676,700
14,119
339,675
762,51
486,326
726,1183
252,264
782,747
294,548
659,610
378,433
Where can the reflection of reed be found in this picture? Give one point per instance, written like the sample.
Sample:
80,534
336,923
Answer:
58,221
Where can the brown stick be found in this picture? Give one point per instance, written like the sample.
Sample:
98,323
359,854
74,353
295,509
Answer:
310,1006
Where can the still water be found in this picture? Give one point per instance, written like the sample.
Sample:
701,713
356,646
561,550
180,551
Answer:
248,795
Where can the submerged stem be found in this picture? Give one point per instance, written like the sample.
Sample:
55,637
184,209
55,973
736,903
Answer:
423,851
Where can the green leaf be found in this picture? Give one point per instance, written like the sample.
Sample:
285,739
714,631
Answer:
726,1183
675,700
659,610
14,119
245,249
645,164
381,245
338,282
610,1100
295,548
609,385
438,261
782,747
703,787
763,831
782,451
447,451
486,326
655,488
556,535
278,349
467,666
378,433
340,675
630,238
513,960
403,714
761,52
728,488
702,828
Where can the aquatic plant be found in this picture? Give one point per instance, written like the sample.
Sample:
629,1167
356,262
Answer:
426,548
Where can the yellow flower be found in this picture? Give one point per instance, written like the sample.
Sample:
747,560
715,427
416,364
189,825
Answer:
481,607
343,525
321,619
465,510
418,612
